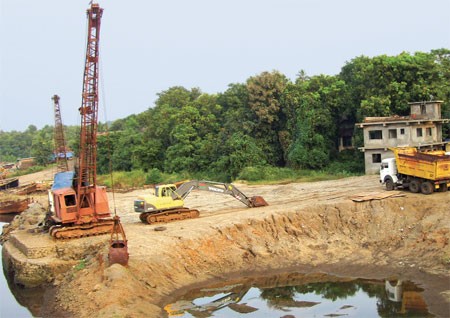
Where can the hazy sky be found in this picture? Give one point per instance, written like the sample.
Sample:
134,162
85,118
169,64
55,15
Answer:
149,46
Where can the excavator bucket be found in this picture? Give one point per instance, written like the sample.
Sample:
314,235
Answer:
258,201
118,246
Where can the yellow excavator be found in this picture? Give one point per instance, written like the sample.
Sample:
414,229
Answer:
167,203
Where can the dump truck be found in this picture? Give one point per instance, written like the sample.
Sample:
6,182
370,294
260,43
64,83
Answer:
417,171
167,204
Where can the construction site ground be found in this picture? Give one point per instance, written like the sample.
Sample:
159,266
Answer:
307,227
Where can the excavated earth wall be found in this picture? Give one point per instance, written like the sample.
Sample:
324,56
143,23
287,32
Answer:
394,237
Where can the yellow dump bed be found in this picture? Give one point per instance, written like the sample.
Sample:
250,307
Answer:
433,165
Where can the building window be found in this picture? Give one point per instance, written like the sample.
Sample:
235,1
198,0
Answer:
375,134
419,132
376,157
428,132
402,131
392,133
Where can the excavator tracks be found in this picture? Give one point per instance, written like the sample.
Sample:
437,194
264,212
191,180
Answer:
77,231
169,215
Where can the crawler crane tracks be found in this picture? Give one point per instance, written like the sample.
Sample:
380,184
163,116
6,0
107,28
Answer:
77,231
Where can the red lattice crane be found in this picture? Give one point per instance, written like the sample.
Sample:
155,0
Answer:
60,142
87,170
79,207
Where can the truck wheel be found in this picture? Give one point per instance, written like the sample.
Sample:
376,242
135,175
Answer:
443,187
389,184
414,186
426,187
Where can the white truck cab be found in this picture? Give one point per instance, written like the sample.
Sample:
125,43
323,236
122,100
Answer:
388,171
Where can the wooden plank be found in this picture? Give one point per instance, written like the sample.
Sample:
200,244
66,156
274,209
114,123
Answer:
368,196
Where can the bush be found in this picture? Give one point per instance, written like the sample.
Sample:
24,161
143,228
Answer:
123,179
348,161
254,174
267,173
154,176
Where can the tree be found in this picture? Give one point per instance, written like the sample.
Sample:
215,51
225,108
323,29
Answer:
314,108
238,152
383,85
42,145
310,149
264,94
157,125
236,114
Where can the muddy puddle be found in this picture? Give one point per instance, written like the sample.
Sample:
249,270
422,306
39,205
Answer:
303,295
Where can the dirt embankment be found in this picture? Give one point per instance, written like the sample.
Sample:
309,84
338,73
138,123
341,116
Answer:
312,227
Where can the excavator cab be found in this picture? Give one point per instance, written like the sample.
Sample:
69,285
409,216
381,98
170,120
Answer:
166,190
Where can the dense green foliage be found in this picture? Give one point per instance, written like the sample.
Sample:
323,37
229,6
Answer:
268,122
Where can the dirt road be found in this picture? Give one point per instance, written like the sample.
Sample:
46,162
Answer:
307,227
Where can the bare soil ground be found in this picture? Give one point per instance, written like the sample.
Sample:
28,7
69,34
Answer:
307,227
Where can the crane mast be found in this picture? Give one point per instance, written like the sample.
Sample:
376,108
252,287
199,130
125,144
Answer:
87,172
60,142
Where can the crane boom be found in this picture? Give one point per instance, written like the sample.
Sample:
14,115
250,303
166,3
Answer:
87,178
60,142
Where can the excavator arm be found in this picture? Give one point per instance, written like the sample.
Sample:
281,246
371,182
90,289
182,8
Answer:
218,187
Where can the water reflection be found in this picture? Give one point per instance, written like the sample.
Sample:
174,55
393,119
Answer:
16,301
299,295
27,301
407,297
9,306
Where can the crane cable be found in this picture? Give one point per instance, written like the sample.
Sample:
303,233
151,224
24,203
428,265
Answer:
108,140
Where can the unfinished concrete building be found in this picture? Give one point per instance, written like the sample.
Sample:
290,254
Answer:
422,128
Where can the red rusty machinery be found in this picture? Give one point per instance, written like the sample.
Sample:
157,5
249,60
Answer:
79,207
118,244
87,170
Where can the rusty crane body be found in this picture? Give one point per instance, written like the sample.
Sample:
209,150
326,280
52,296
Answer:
78,206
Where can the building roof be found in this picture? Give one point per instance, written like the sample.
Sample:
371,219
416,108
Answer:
374,121
426,102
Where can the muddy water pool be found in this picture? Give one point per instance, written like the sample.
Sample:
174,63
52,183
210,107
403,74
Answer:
9,306
300,295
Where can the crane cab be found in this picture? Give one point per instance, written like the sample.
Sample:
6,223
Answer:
64,204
